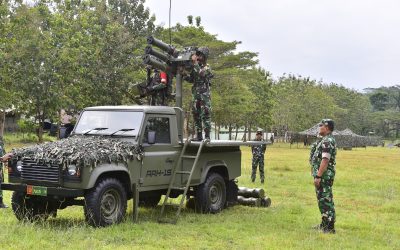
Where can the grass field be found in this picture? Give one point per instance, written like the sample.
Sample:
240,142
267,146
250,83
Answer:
366,193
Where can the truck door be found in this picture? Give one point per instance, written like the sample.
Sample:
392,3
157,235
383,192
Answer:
160,157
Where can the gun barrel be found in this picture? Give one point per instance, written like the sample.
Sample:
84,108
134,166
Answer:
161,45
155,63
150,51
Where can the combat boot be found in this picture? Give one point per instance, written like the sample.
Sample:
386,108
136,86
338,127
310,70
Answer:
330,228
199,137
320,226
207,135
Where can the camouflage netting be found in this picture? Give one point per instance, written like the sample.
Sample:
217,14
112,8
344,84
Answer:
81,151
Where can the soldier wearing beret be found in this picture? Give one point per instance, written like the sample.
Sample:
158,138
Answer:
323,161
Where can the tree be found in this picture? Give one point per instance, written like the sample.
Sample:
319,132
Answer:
6,94
379,101
386,103
300,103
353,108
74,54
198,21
190,19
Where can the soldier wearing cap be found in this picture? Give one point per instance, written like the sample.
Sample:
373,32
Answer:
201,76
323,162
258,158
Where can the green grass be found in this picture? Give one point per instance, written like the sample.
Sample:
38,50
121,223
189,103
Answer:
19,139
366,193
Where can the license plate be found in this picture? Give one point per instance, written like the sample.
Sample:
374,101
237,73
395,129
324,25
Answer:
36,190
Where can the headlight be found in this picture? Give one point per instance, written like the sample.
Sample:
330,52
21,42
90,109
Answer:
72,170
19,166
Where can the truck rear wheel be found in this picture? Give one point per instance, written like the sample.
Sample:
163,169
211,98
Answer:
211,195
106,203
31,207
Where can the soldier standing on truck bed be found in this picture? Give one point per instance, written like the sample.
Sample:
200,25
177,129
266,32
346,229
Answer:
258,158
201,76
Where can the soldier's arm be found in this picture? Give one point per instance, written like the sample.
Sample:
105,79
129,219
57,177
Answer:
159,86
163,84
190,77
6,157
323,166
208,72
326,156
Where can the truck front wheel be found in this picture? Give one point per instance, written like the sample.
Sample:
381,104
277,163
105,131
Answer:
211,195
106,203
32,207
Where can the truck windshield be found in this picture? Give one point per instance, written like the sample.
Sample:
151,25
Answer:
109,121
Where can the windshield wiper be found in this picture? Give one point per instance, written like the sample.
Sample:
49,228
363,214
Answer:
96,129
122,129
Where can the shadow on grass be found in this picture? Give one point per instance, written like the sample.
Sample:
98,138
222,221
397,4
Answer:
146,215
282,169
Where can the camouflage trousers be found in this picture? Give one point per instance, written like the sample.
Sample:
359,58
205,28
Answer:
201,109
325,201
158,100
258,161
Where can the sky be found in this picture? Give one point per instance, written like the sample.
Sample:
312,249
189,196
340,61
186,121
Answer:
355,43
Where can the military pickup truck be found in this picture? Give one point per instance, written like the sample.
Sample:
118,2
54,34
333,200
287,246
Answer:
117,153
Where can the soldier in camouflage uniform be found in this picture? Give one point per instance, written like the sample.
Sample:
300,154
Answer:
159,87
201,76
323,163
4,158
258,158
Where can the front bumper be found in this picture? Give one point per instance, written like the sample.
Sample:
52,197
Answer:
52,191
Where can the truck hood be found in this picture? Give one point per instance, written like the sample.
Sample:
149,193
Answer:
81,151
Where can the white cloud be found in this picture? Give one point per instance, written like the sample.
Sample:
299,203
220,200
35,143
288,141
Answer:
354,43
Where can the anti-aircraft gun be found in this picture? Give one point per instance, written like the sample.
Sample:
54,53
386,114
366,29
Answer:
172,61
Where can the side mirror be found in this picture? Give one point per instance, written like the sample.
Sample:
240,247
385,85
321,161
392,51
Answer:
151,137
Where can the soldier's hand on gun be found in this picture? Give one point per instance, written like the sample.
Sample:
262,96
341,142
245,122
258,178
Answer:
6,157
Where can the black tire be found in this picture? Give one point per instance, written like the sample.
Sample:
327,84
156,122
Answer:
211,195
231,193
149,201
106,203
32,208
